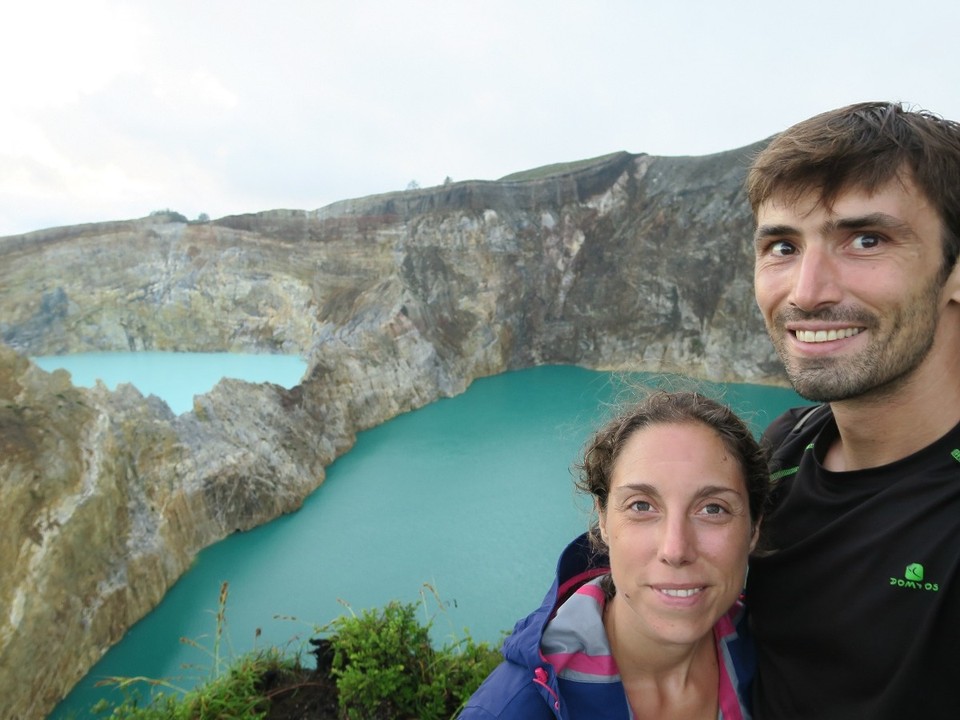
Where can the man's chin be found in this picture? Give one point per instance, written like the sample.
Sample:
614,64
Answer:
818,386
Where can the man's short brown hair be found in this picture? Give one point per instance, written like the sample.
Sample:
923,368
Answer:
865,146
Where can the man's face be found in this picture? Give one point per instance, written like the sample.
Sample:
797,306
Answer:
851,294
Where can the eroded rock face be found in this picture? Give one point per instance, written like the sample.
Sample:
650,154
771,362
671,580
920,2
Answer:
628,262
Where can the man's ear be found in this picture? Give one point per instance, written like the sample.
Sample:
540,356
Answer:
951,288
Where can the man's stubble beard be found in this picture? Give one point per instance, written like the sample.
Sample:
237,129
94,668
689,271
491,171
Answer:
879,369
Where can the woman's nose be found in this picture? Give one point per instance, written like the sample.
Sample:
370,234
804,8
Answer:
678,545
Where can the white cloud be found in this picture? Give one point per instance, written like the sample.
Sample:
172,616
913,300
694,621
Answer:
225,106
200,90
55,51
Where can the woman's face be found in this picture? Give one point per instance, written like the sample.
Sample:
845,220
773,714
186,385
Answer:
678,528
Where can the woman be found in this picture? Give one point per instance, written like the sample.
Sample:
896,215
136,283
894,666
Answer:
643,620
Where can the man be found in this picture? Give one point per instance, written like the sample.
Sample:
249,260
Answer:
856,603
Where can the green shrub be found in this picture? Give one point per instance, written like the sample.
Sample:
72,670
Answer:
169,215
387,669
381,661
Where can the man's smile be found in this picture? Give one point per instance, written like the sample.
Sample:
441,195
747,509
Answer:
819,336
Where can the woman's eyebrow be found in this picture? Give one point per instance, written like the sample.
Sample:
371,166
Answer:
708,490
647,489
631,488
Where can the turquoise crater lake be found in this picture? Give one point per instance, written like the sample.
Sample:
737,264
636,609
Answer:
465,503
175,377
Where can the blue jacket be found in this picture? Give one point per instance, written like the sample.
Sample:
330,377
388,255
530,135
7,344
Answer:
525,686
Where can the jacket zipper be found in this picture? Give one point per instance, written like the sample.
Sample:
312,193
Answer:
540,678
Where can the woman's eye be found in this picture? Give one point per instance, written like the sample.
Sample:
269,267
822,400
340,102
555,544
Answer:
714,509
866,241
641,506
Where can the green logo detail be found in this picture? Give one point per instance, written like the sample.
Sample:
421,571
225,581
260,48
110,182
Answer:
914,572
956,454
913,579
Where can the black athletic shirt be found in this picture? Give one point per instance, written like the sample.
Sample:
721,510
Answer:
856,608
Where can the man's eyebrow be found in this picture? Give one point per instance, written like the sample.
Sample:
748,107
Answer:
878,220
767,231
871,220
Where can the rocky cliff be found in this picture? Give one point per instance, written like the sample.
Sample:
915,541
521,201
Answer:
623,262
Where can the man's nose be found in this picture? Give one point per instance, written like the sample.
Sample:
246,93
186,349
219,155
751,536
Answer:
815,279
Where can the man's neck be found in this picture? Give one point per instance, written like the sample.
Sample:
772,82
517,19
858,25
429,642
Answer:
882,428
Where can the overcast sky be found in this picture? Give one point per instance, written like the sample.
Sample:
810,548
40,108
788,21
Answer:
110,110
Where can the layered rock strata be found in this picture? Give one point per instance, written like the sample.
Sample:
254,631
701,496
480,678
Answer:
625,262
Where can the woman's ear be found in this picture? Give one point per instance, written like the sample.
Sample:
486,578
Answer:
756,534
601,520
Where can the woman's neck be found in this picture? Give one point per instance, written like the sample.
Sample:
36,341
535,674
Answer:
662,680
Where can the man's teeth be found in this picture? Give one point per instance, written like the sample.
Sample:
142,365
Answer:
682,593
817,336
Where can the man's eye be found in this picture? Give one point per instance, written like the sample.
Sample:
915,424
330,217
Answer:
865,241
641,506
782,248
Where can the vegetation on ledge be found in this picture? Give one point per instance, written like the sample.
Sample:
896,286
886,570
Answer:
378,665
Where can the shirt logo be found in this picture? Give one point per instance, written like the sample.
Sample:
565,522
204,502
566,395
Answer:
914,572
913,579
